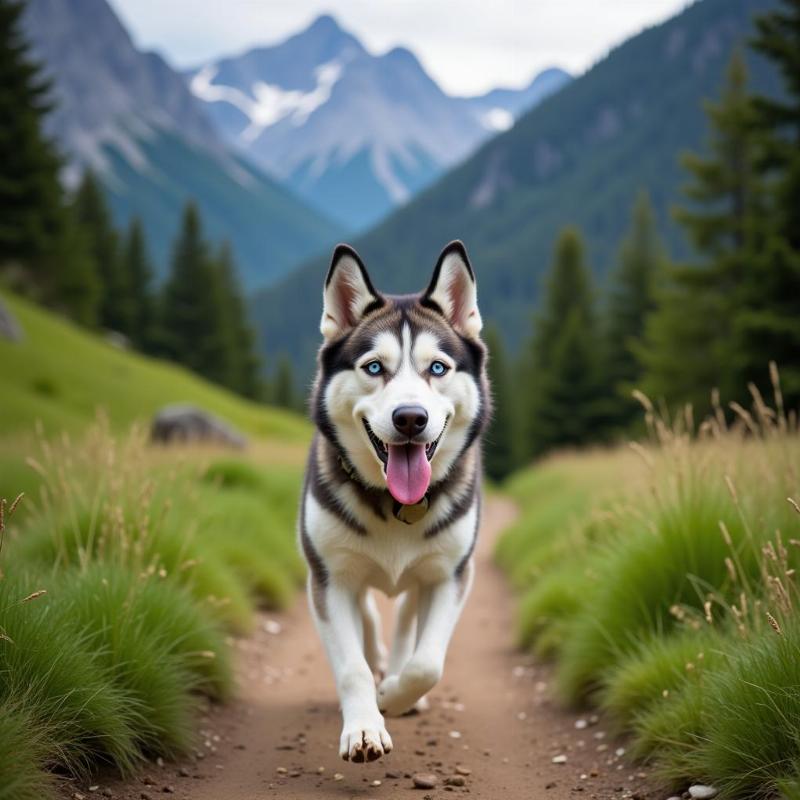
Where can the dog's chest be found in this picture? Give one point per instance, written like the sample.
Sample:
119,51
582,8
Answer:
394,561
392,556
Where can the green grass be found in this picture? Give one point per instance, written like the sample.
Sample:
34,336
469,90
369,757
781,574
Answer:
23,753
150,556
61,375
648,579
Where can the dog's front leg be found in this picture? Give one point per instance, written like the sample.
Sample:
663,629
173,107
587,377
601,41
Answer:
440,606
340,625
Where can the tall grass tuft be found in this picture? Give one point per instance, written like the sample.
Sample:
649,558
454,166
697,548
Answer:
668,594
23,754
117,588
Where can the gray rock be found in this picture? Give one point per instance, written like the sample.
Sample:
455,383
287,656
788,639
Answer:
700,792
9,327
185,423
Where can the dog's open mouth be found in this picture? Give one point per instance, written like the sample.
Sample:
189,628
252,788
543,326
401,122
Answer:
382,450
407,466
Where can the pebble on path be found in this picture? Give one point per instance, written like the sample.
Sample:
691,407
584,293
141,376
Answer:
701,792
424,780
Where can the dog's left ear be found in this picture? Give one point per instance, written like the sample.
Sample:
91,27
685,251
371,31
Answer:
348,294
453,290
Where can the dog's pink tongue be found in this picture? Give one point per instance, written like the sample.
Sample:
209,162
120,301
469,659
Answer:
408,473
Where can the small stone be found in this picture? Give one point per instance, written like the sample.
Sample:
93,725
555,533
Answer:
147,780
183,772
160,761
581,724
620,751
337,776
168,790
561,759
391,774
425,780
454,734
674,797
281,770
320,770
93,788
456,780
146,796
295,773
376,782
78,796
272,627
463,770
701,792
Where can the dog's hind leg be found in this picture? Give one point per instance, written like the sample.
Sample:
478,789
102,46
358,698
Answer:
374,648
439,608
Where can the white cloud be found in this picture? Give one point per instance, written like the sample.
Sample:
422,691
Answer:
467,45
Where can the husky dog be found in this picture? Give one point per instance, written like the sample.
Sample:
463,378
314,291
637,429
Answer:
392,492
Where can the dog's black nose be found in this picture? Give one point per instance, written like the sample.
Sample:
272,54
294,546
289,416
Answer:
410,420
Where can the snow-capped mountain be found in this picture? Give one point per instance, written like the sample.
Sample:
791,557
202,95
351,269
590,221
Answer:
356,134
130,117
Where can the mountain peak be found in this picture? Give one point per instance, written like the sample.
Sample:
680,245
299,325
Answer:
325,23
325,31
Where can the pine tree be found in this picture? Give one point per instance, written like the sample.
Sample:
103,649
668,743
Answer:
39,248
139,277
75,282
190,309
244,363
631,298
768,327
563,392
689,346
116,309
499,441
284,391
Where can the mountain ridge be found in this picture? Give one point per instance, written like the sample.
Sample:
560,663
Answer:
128,116
580,157
354,133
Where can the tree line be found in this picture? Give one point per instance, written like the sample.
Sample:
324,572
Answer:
64,250
677,331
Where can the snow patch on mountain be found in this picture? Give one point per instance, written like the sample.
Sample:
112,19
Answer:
497,119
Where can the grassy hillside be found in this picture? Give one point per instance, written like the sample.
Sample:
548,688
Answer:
580,157
125,567
662,582
271,229
62,375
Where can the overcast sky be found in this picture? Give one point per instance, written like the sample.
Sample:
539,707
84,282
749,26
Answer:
468,46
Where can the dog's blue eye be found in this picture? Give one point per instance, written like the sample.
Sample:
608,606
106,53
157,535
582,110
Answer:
374,368
438,368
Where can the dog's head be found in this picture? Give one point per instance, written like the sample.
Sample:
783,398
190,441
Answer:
401,387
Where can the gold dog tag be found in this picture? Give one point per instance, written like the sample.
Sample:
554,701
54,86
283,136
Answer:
411,514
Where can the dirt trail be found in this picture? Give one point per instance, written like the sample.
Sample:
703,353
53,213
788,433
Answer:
492,716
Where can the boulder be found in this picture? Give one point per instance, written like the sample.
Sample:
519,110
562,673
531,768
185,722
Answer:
185,423
9,327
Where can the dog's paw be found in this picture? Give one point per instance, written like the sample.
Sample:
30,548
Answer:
362,743
399,694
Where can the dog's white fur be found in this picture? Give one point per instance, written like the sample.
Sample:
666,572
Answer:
393,558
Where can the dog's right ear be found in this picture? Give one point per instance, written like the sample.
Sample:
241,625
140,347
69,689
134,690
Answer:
348,294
